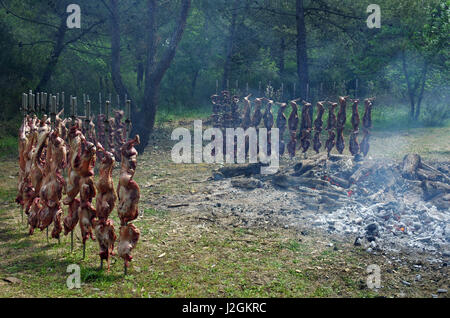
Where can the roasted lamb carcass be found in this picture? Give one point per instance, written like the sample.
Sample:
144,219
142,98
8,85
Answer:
246,119
367,124
106,237
38,154
52,184
331,125
128,190
342,114
317,144
331,141
76,139
86,211
129,236
268,123
106,194
367,118
33,215
257,115
305,128
293,126
25,146
281,125
340,142
355,115
71,220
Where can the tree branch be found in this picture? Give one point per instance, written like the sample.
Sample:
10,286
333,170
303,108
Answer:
27,19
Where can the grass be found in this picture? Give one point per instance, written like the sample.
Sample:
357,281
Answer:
179,256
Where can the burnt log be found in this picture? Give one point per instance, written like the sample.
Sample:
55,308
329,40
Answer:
411,163
432,189
241,170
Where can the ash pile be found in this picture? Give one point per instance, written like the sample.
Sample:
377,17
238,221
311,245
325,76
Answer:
383,205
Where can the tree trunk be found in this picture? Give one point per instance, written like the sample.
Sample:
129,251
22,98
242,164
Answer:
302,55
115,50
54,57
410,89
422,88
194,82
144,120
229,47
281,56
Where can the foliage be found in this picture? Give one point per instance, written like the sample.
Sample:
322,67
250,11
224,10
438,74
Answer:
340,49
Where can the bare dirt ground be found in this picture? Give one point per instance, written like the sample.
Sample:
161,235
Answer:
198,240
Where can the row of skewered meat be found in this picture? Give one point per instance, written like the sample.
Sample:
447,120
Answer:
46,150
310,131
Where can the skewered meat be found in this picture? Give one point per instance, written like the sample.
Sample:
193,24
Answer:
33,216
106,194
234,112
71,220
341,119
367,118
86,211
305,133
106,236
128,190
268,116
331,125
293,124
281,125
246,119
317,144
268,123
52,184
57,228
73,184
217,105
353,143
257,115
329,144
367,124
342,114
355,115
129,236
332,120
320,111
24,140
340,143
28,194
38,154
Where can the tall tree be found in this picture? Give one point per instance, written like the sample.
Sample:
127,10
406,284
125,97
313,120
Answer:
144,119
302,51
